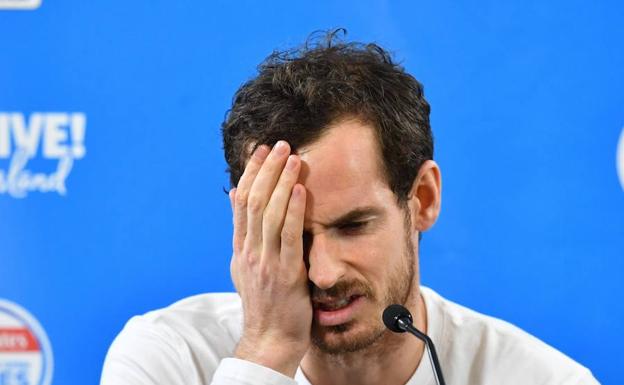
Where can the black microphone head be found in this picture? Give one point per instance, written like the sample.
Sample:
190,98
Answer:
391,317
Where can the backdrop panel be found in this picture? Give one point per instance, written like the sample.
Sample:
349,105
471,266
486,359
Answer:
112,173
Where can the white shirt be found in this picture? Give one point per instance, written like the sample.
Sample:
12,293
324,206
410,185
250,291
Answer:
192,341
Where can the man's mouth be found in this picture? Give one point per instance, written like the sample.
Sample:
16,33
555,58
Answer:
334,304
336,311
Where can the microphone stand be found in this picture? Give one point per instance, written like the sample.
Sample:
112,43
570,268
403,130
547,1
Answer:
405,324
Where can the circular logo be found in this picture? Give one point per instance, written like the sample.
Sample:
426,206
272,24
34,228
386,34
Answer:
25,352
619,162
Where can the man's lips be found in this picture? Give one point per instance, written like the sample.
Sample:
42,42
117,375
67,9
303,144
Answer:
337,311
333,303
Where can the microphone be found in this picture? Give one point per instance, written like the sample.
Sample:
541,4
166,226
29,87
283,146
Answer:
399,320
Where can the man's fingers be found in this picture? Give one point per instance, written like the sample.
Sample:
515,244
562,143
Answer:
292,232
242,194
261,190
273,219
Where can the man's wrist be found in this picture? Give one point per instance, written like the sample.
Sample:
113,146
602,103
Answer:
281,357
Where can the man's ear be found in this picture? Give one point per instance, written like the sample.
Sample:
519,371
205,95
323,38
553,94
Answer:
425,198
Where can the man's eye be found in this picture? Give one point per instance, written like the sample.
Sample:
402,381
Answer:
352,226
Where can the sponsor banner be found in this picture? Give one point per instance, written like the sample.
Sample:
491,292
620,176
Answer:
25,351
57,138
20,4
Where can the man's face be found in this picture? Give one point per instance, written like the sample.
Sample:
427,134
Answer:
360,247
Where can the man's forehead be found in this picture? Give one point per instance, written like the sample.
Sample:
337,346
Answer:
342,171
347,149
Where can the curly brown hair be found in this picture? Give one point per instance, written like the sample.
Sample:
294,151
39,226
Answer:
298,93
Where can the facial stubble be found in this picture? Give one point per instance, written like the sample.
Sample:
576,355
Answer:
400,286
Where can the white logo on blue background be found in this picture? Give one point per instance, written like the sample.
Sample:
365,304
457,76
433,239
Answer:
52,140
20,4
25,351
619,161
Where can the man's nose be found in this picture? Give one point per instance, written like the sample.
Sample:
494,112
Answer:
326,268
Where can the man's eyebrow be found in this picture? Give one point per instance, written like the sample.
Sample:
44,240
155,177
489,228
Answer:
355,215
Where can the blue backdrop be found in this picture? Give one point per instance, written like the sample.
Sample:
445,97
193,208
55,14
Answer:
112,173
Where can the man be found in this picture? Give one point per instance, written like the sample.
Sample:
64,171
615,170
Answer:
331,153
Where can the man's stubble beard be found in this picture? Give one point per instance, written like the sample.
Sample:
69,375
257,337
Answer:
400,286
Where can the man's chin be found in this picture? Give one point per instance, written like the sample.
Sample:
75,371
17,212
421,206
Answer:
345,338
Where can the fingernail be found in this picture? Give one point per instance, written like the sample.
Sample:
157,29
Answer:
291,163
262,152
281,147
